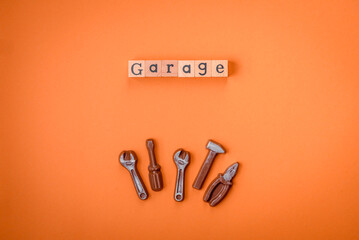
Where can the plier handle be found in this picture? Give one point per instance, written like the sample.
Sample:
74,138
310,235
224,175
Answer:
217,190
220,186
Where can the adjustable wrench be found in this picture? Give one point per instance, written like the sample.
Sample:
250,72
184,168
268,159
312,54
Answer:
128,159
181,159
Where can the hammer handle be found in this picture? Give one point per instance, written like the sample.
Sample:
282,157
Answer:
203,172
154,168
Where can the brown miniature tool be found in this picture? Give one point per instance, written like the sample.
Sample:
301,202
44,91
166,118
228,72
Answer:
128,160
219,187
181,158
154,169
214,148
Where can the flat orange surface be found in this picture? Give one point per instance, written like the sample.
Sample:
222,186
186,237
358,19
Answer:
288,113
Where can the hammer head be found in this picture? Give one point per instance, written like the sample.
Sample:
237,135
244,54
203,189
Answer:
215,147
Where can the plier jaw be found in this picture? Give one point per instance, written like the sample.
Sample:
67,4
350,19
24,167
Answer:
220,186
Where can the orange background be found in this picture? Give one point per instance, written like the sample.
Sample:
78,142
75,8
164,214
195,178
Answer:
288,113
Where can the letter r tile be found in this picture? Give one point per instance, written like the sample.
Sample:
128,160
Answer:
169,68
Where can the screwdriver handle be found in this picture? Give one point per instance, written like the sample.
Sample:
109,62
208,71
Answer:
154,168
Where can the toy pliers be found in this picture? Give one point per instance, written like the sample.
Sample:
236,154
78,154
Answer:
219,187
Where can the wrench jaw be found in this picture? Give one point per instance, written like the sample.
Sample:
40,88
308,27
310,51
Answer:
128,163
177,154
181,162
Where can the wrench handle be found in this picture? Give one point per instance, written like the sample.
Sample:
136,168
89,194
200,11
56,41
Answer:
137,181
179,191
203,172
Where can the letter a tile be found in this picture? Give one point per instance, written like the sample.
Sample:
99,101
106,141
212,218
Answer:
153,68
186,68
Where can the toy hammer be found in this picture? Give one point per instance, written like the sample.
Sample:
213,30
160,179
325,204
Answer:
214,149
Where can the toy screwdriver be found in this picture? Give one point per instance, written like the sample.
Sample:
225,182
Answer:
154,168
219,187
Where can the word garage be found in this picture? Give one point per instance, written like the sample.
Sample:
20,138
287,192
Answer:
178,68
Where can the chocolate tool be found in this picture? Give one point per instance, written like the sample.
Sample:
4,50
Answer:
154,169
219,187
181,159
128,159
214,149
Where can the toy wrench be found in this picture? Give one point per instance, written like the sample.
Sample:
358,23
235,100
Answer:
181,159
128,159
219,187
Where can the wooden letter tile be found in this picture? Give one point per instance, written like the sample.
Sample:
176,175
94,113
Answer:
153,68
186,68
203,68
169,68
136,68
219,68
